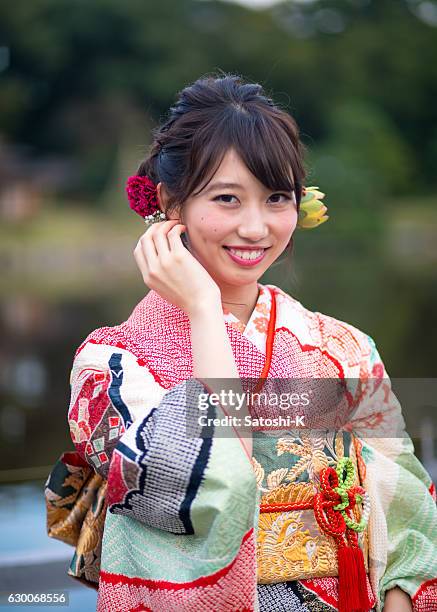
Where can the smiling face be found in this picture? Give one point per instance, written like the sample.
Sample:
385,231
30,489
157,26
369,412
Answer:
236,232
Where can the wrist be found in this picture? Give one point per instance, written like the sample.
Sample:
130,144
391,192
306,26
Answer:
207,306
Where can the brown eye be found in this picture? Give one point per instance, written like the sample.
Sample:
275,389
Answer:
224,195
286,197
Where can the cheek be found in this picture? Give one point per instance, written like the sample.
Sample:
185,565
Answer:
209,228
285,227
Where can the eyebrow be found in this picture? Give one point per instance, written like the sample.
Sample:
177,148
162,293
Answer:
222,185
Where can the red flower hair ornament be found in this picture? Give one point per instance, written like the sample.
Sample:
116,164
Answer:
143,198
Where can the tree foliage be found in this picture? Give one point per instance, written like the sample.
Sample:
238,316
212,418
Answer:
359,75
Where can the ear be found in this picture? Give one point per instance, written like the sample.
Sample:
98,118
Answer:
163,199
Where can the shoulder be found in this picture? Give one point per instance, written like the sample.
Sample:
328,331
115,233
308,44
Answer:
104,346
107,354
154,338
341,339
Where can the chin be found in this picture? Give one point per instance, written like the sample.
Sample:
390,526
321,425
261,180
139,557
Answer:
239,280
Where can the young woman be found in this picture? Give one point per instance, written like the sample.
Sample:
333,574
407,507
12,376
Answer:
281,520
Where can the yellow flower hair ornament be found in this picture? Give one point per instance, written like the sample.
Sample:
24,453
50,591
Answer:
312,210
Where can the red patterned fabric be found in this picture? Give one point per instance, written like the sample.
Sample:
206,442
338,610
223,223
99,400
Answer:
425,599
220,591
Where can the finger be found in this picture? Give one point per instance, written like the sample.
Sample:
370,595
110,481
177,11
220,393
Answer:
141,261
154,258
148,247
159,237
174,238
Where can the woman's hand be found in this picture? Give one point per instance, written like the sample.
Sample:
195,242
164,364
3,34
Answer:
396,600
171,270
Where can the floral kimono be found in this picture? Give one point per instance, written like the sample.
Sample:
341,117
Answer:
192,523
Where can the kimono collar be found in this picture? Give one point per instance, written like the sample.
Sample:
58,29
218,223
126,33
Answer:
256,328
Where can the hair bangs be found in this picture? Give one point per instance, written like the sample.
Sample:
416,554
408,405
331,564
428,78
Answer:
265,148
266,151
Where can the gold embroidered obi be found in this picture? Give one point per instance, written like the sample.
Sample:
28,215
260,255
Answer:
291,544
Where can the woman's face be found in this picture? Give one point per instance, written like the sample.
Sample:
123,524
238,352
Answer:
237,231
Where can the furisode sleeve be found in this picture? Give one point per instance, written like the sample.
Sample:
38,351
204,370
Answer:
403,517
134,433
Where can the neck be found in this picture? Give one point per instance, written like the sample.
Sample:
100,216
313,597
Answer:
240,300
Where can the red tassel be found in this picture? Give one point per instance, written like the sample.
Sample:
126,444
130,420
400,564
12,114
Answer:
352,584
362,579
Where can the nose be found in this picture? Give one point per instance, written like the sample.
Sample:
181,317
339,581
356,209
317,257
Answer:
253,226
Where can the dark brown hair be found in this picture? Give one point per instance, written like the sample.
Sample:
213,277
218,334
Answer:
209,117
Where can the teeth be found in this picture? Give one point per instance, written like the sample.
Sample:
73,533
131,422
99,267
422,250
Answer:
247,254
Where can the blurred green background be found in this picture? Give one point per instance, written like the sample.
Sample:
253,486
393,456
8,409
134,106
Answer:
81,85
